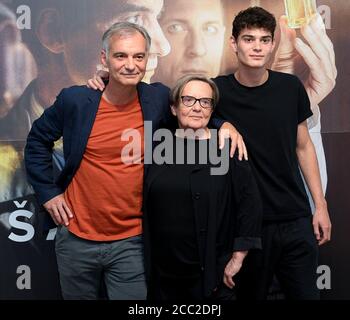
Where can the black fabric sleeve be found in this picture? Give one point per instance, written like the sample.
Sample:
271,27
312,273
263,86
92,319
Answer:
304,109
249,207
169,121
216,123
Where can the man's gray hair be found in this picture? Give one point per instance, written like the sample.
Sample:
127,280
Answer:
124,28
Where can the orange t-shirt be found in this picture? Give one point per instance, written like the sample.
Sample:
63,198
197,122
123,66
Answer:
105,194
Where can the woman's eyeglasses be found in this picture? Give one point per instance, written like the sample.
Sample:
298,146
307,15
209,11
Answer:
205,103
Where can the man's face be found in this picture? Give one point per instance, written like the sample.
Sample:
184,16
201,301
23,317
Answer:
195,30
253,47
126,60
82,47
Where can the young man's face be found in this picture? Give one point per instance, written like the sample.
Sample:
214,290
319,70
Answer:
82,46
253,47
126,60
195,30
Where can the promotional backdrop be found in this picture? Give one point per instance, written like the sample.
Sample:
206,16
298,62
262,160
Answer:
46,45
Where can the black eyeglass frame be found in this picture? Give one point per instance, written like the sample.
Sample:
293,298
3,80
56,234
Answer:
200,100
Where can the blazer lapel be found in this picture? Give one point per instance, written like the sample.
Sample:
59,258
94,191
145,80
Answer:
86,119
148,103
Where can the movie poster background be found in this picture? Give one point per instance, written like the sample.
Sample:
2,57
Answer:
58,45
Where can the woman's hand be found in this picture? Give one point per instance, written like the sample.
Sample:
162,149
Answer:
233,267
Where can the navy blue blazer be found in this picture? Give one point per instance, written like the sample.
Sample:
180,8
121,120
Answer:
72,117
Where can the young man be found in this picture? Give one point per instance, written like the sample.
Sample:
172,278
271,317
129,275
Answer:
97,199
270,110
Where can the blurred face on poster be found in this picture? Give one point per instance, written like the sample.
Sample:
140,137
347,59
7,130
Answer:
16,63
81,49
195,30
8,38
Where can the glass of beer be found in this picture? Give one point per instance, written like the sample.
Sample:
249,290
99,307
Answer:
300,12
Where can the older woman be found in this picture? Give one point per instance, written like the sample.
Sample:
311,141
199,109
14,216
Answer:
198,226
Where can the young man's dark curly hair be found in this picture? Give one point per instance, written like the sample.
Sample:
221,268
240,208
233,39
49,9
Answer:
253,17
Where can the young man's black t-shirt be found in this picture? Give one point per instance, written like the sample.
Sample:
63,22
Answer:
267,116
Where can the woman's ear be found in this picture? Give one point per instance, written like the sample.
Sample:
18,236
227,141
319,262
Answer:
49,30
173,110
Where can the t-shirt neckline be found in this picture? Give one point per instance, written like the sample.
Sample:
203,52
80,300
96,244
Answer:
234,79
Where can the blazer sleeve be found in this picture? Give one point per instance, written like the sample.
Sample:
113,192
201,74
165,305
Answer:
216,122
169,121
248,207
38,151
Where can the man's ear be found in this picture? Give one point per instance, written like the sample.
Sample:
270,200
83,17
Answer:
103,58
233,44
273,44
49,30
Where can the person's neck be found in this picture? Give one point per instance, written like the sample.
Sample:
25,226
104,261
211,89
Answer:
199,134
251,77
119,95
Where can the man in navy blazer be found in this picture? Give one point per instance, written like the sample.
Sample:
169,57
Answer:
99,236
72,117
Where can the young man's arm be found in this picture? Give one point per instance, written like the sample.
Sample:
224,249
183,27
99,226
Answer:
308,163
227,130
